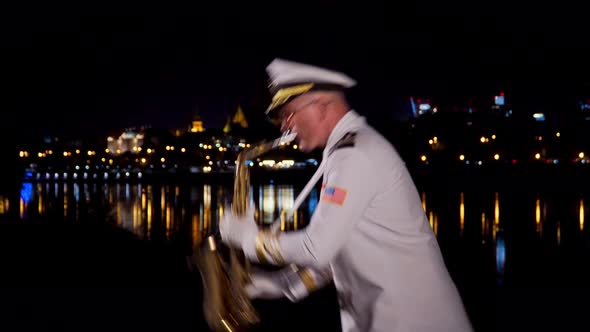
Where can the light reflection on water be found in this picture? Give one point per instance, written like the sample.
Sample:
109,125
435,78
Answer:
136,206
156,211
503,222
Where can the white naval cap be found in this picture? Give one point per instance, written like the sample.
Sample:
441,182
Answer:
289,79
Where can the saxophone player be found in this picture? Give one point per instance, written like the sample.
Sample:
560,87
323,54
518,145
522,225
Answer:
368,234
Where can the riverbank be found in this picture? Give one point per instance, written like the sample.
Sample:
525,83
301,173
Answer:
500,176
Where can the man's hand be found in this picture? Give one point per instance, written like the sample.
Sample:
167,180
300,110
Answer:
265,285
239,231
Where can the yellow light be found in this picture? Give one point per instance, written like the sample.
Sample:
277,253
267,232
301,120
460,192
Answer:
182,150
149,151
482,139
430,141
581,155
581,214
497,210
493,136
295,146
77,151
462,212
143,160
423,158
496,156
537,156
462,157
558,134
162,159
107,150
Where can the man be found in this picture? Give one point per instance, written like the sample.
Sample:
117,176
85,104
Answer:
368,233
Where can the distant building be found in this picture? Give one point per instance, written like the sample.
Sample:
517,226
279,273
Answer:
196,124
422,106
238,120
129,141
500,105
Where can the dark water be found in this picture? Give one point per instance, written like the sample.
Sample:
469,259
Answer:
518,255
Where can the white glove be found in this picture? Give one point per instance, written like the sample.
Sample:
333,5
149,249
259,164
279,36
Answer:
265,285
239,231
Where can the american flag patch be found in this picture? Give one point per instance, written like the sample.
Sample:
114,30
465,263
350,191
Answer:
333,195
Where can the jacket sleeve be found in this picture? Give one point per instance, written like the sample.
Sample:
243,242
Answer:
348,187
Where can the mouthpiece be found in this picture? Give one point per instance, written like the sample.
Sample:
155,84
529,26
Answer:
287,137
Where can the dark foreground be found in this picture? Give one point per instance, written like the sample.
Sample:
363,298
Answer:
94,277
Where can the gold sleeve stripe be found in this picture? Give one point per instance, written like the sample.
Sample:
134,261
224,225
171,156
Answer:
271,246
307,279
260,252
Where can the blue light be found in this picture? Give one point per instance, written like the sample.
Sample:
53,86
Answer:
500,256
539,116
26,192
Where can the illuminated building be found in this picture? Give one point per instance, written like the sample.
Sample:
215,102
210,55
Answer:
129,141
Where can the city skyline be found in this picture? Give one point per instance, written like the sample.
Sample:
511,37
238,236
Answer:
93,72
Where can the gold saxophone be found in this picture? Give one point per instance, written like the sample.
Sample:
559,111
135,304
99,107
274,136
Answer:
226,305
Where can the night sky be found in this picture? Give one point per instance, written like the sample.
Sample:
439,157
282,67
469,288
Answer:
79,71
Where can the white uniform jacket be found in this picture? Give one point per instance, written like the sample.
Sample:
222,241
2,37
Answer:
370,228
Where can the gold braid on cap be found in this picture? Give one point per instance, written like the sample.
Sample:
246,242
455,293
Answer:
282,95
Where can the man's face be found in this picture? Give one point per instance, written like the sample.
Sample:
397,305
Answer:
303,115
